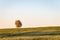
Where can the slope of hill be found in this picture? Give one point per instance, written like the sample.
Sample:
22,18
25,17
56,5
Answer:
21,30
41,33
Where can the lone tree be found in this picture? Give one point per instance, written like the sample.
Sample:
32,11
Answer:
18,23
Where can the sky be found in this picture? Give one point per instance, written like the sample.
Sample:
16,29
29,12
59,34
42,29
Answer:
32,13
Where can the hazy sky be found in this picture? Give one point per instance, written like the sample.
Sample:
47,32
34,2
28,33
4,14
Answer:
31,13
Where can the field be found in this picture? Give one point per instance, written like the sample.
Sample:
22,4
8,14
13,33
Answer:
41,33
32,38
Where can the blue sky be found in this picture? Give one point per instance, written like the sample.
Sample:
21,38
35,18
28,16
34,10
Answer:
32,13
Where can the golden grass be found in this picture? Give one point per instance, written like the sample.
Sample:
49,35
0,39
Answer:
40,29
22,30
32,38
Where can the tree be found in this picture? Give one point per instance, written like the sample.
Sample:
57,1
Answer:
18,23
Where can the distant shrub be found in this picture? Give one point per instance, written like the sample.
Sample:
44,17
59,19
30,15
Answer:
18,23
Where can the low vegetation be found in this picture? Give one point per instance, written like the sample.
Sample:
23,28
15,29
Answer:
21,30
41,33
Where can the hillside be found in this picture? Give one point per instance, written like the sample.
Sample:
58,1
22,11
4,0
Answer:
41,33
22,30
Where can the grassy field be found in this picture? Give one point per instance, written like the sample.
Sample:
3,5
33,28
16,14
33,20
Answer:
21,30
49,33
32,38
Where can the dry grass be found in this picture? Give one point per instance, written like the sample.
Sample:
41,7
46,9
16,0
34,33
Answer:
22,30
32,38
